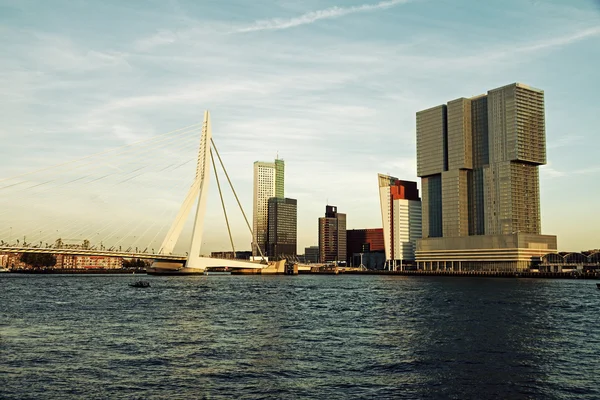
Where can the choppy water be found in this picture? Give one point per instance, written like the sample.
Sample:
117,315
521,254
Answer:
286,337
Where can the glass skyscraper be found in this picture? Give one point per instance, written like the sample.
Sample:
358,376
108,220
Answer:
282,228
268,183
478,160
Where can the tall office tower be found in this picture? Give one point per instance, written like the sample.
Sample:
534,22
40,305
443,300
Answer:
282,228
401,218
478,160
268,182
332,236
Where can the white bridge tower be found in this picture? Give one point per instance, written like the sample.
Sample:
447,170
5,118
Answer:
199,191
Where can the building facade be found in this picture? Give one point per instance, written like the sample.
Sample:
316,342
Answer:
282,228
332,236
362,241
401,217
311,254
68,261
478,161
268,182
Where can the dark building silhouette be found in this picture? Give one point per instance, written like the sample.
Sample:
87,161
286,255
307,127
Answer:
362,241
282,228
311,254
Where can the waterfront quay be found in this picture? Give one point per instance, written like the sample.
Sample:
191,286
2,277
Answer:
483,274
339,271
75,271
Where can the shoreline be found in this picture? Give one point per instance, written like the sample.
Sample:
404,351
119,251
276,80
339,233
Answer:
79,272
458,274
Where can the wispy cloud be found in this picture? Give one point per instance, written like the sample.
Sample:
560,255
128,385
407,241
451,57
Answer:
314,16
160,38
553,173
562,40
565,141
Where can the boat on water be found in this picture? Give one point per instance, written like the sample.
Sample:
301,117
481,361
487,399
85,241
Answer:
2,269
140,284
598,285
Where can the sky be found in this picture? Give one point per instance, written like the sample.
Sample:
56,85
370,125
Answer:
331,87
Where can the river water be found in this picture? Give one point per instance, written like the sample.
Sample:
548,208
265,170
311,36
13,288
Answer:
289,337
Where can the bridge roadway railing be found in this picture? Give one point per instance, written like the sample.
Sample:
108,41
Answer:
88,252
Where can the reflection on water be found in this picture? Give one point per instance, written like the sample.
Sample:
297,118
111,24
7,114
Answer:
298,337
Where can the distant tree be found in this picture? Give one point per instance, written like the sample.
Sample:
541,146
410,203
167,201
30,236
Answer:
39,260
134,263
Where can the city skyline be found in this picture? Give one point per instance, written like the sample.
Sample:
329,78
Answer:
336,102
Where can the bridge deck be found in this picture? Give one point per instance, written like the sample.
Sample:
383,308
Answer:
88,252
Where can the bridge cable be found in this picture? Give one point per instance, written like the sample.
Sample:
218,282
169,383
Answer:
237,199
65,229
96,154
222,202
79,185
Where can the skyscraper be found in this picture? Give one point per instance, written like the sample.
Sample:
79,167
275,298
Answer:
332,236
478,160
401,218
268,182
282,228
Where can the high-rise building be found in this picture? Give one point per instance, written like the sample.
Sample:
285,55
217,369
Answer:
478,160
282,228
401,218
311,254
332,236
268,182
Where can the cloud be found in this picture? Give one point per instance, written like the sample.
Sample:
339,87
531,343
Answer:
160,38
314,16
561,40
553,173
565,141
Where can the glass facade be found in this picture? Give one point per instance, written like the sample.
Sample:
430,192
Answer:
282,228
490,148
279,178
268,182
477,159
431,141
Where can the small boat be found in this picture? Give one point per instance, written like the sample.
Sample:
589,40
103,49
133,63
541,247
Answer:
598,285
2,269
140,284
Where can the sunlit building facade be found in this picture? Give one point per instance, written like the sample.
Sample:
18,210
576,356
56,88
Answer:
401,217
268,183
332,236
478,161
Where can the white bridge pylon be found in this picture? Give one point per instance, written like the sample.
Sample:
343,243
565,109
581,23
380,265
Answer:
199,191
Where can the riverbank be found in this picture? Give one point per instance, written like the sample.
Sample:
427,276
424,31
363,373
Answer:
483,274
80,271
340,271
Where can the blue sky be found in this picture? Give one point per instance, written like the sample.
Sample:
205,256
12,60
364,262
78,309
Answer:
332,87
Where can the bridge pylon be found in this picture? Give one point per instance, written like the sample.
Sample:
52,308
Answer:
198,194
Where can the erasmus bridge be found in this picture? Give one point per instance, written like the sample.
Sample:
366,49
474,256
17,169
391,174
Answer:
97,205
